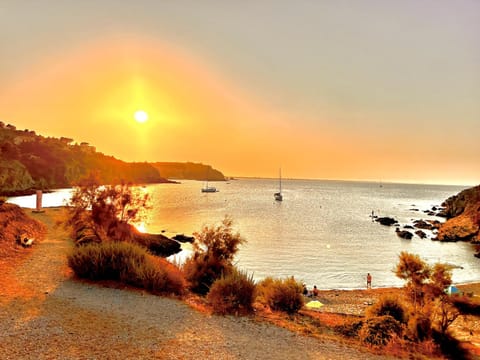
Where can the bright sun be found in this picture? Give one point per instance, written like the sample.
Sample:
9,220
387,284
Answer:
140,116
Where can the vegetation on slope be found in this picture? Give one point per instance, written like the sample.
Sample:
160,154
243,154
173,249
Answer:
14,225
29,161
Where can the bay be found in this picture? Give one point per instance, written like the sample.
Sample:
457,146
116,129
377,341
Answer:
322,233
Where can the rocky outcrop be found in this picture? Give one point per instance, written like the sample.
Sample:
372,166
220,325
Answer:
467,201
463,214
459,228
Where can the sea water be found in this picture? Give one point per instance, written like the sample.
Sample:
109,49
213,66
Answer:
321,233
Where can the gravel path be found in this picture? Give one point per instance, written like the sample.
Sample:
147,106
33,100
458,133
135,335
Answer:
45,314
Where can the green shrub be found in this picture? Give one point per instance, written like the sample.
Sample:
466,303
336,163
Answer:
127,263
378,330
233,293
281,294
389,305
202,270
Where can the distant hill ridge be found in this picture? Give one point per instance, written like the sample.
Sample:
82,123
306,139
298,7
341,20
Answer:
29,161
188,170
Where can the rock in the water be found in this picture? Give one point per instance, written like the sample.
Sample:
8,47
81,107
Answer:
387,221
408,227
404,234
158,244
421,234
183,238
422,224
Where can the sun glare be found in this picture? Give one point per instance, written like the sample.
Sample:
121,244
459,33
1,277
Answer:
140,116
141,227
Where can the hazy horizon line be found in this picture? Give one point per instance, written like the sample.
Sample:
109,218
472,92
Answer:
380,182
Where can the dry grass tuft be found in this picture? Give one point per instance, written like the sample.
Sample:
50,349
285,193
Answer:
14,223
127,263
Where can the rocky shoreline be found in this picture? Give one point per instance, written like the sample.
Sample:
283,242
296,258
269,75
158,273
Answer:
462,214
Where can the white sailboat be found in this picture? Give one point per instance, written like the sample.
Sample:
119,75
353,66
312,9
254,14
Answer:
208,189
278,195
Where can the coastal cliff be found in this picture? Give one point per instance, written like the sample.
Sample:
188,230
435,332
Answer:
463,217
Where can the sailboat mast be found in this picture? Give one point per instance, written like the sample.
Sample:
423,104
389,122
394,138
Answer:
280,179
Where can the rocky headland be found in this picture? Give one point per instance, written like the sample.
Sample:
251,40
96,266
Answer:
463,217
462,214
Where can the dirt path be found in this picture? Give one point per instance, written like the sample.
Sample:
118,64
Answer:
45,314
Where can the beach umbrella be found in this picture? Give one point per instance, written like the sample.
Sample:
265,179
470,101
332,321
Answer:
452,289
315,304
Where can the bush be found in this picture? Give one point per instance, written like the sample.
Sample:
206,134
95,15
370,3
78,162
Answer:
389,305
233,294
214,251
219,241
202,270
378,330
281,294
162,277
350,328
127,263
106,211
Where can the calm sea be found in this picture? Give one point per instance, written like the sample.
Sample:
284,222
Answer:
322,232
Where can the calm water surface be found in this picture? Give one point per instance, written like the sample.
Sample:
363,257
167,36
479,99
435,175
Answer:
321,233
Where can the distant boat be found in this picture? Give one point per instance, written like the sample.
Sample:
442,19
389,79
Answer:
208,189
278,195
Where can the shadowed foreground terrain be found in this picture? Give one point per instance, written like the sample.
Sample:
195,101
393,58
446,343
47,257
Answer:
45,313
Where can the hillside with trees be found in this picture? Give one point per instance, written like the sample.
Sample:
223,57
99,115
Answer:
29,161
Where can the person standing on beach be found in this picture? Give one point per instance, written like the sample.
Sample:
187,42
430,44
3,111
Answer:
369,281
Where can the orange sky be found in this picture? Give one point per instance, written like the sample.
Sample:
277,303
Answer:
201,112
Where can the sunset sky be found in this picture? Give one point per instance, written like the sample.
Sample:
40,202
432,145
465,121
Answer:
355,90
